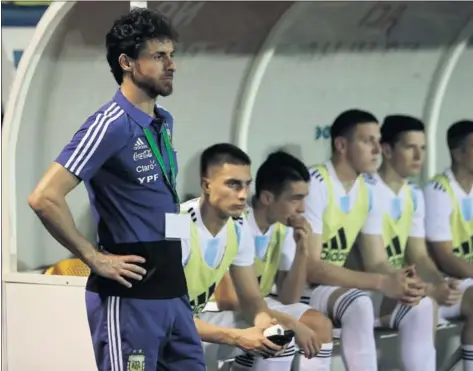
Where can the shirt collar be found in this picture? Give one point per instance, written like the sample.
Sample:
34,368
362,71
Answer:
140,117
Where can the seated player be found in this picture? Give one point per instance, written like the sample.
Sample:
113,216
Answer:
449,228
400,206
219,243
337,206
276,223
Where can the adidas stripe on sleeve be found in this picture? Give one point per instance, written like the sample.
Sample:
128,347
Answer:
100,137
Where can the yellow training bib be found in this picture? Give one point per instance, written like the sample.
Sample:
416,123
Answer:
268,267
201,278
462,230
396,231
341,229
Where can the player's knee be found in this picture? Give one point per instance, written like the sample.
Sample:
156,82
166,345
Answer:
467,303
354,306
426,308
318,323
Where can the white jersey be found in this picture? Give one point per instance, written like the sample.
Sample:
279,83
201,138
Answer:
213,247
317,201
385,201
439,207
262,241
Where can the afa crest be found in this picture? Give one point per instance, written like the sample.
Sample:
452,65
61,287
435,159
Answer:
136,361
168,131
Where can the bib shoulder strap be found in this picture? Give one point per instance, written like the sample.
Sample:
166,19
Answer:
441,181
188,208
318,172
282,230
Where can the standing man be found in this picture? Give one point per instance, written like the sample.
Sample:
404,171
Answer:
449,228
337,206
136,295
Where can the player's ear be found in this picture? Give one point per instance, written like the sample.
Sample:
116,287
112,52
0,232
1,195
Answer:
340,144
387,150
205,185
126,63
266,198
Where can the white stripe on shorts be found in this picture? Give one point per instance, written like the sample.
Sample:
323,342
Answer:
114,335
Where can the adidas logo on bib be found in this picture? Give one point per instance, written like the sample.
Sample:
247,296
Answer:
139,144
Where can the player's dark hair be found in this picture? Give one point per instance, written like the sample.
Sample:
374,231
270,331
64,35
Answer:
130,33
220,154
277,171
395,125
457,134
347,121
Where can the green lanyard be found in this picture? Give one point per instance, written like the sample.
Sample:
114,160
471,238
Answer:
167,143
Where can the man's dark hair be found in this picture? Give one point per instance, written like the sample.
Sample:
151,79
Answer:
457,133
395,125
130,33
347,121
220,154
277,171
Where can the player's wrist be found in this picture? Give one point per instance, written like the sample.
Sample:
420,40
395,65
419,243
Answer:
89,257
302,249
380,282
430,290
232,336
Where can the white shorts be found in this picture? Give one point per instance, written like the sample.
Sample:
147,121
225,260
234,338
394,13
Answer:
453,312
319,297
215,353
295,310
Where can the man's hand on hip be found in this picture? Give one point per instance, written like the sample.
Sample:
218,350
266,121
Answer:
118,267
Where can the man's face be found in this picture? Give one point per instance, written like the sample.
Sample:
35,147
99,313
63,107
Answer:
407,155
227,188
363,148
289,203
154,69
464,155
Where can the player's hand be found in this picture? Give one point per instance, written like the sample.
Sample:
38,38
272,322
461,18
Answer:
445,293
118,267
252,340
417,291
401,285
307,340
302,231
417,288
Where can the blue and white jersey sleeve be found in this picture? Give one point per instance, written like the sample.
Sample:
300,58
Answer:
418,219
288,250
246,247
374,222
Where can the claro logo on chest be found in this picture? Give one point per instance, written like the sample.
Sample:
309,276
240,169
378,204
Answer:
147,172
